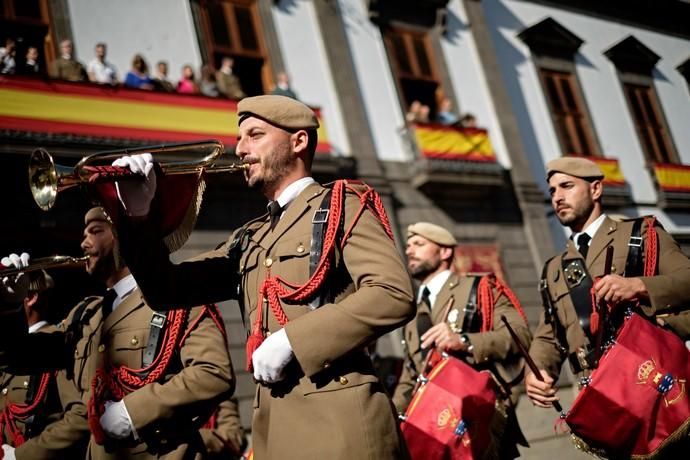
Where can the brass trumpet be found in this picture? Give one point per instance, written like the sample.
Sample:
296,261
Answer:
46,263
47,179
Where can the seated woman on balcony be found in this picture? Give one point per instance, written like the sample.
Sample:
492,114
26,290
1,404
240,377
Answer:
187,85
139,77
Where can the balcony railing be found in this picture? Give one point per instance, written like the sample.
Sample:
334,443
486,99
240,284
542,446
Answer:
118,114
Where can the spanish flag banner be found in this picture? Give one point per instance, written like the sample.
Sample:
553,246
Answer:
673,178
84,109
450,143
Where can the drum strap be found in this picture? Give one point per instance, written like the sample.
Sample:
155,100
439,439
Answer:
633,263
580,294
469,321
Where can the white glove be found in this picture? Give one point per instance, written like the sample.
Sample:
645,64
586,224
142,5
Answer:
271,357
13,260
8,452
14,289
136,196
115,421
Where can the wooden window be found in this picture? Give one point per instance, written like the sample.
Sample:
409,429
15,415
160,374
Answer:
414,68
649,125
568,113
28,23
232,28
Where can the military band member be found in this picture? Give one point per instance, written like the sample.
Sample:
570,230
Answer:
564,332
32,420
149,381
318,396
430,252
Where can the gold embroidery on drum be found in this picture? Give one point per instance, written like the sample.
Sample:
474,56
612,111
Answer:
673,389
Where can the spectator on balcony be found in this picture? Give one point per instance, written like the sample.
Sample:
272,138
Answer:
139,77
161,80
30,66
66,67
446,115
282,87
418,113
8,64
207,85
228,83
187,85
468,121
100,70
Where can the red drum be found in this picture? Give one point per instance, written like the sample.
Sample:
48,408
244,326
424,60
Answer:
450,414
636,403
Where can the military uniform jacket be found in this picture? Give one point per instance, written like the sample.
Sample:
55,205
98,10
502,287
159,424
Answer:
48,436
493,350
69,69
166,414
669,291
331,404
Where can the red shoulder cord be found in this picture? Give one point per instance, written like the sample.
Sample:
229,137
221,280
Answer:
651,254
16,411
274,288
486,300
118,381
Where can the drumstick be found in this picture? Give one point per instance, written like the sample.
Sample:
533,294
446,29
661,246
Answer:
603,307
530,362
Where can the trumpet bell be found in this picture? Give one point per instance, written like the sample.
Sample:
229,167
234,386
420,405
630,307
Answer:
46,178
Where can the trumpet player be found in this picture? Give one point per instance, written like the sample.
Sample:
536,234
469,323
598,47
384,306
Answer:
318,395
31,421
147,382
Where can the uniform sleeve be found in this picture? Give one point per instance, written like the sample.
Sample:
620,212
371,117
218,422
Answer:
670,289
382,300
205,380
228,436
166,285
497,344
544,348
403,390
69,434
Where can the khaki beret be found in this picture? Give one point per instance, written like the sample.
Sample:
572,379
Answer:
40,281
574,166
96,213
432,232
281,111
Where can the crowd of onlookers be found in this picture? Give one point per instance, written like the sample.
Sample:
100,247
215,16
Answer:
221,82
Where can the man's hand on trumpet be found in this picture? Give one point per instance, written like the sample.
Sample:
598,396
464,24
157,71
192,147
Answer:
136,196
13,289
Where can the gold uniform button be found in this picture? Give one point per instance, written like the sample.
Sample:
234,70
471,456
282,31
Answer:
343,380
101,348
268,262
300,248
134,341
613,269
4,391
26,384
